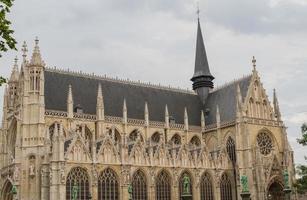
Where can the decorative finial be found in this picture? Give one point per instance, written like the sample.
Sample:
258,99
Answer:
198,11
254,62
36,41
15,61
24,50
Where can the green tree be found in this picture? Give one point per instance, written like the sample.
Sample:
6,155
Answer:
7,40
301,183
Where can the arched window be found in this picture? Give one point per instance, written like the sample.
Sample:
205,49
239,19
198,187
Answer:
139,186
176,140
231,149
134,135
108,188
206,191
195,141
7,191
155,138
77,183
181,183
225,186
163,186
114,133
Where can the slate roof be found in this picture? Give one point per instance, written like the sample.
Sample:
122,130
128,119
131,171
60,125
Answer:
201,60
225,98
84,89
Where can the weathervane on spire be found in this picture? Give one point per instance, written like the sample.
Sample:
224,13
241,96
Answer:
254,62
198,11
24,50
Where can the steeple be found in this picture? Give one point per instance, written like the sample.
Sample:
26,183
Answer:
166,115
202,78
146,114
15,72
36,59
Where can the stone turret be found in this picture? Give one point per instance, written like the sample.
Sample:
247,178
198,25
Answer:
202,78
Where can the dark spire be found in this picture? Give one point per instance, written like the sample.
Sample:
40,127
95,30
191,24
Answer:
201,63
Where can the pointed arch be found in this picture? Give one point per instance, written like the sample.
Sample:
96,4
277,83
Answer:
7,191
77,180
134,135
206,187
195,141
225,187
163,186
108,185
114,134
139,186
231,149
155,138
176,139
181,183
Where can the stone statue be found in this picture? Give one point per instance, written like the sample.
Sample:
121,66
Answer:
286,178
14,190
32,170
186,184
74,191
130,191
244,184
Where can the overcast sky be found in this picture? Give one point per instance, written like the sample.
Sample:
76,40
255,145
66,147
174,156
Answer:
154,40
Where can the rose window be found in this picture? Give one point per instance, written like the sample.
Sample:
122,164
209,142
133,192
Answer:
265,143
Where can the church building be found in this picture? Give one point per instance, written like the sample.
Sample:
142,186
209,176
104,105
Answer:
70,135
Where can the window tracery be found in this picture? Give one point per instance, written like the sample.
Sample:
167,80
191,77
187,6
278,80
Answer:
206,191
77,180
139,186
155,138
163,186
231,149
176,140
195,141
265,143
225,187
108,188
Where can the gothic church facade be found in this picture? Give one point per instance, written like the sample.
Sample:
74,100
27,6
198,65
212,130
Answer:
69,135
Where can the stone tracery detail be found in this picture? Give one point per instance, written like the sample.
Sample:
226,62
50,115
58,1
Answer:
265,143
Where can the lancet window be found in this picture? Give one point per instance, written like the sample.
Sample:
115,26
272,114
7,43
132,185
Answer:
155,138
176,140
163,186
108,188
139,186
206,189
231,149
225,187
77,184
195,141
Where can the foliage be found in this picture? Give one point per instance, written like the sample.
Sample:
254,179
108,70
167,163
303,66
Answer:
303,140
6,39
2,80
301,183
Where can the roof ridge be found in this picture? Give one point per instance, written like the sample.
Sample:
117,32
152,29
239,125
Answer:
119,80
231,83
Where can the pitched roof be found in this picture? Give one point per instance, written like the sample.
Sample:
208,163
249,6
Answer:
225,98
84,89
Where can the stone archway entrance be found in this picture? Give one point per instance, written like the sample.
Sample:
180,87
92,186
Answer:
7,191
275,192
